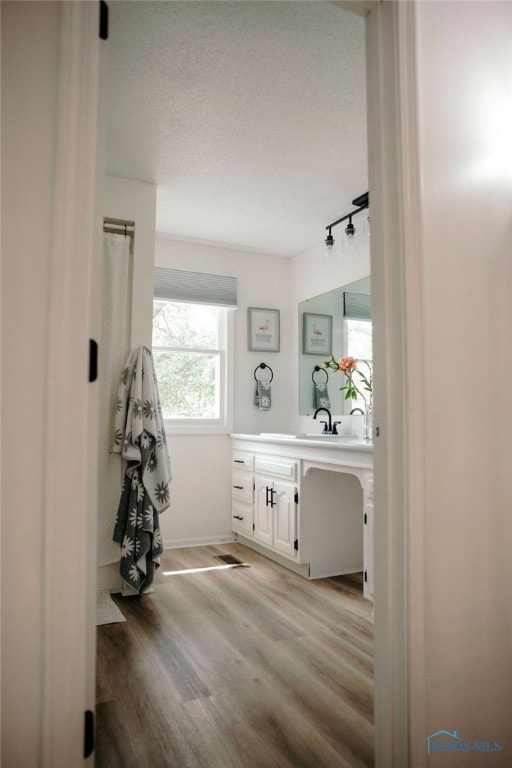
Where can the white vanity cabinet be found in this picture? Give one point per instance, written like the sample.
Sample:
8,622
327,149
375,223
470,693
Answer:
306,503
264,500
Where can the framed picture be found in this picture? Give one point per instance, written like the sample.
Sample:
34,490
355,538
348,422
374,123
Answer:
317,334
263,327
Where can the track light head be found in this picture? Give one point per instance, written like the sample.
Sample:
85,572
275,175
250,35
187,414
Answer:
350,230
329,240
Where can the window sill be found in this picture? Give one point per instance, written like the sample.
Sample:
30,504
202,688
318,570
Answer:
171,428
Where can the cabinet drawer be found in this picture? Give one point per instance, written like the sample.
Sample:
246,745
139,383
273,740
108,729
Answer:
242,460
242,487
275,465
242,518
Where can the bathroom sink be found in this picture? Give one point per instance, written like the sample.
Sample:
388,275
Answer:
318,436
285,435
332,438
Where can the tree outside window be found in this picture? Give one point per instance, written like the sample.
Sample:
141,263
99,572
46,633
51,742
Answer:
189,351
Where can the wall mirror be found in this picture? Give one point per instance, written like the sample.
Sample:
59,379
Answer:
337,322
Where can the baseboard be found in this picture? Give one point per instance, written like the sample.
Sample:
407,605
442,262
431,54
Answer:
199,542
108,577
336,572
302,569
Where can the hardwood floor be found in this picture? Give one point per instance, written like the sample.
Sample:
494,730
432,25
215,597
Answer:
241,668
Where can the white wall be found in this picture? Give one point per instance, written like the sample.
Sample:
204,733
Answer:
136,201
440,127
201,487
313,276
465,164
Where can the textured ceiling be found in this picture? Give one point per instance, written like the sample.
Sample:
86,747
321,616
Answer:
249,116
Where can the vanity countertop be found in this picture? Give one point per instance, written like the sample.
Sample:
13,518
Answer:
304,440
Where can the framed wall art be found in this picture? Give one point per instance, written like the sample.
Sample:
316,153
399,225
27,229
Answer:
263,329
317,334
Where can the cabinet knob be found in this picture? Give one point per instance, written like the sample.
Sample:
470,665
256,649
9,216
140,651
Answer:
237,517
239,487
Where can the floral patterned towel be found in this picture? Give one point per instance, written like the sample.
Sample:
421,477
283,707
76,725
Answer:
140,439
263,396
320,395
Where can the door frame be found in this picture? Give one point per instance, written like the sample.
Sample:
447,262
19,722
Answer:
70,475
396,262
70,453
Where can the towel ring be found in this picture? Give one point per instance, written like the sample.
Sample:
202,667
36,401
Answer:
264,365
316,369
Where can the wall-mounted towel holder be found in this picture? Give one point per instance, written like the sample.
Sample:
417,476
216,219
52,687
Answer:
263,366
317,369
320,392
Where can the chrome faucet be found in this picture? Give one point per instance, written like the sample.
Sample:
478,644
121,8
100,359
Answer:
329,427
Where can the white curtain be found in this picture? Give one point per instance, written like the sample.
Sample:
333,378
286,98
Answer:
113,350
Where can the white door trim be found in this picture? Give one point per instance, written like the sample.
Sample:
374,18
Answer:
70,450
398,334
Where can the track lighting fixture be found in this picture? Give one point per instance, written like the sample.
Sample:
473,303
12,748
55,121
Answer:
361,202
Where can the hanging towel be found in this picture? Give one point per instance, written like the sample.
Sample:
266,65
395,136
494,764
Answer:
140,438
263,395
321,395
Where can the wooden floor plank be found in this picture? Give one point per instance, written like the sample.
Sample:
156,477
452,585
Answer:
237,668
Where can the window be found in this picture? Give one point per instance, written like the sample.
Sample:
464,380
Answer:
358,336
191,350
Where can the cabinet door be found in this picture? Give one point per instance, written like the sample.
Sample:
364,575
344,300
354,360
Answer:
368,550
263,511
285,517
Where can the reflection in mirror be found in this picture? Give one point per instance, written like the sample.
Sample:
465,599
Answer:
337,322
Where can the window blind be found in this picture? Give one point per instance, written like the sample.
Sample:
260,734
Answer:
195,287
357,306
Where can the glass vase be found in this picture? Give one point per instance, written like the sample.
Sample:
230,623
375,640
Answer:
368,421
